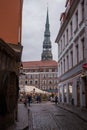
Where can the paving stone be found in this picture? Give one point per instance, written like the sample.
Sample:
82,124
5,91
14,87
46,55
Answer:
48,116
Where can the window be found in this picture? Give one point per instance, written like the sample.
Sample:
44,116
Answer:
55,81
82,43
77,54
71,58
26,82
50,70
36,76
59,70
61,45
50,82
61,67
36,82
67,62
55,75
71,29
82,7
25,76
31,76
64,40
67,36
64,65
44,82
76,19
59,49
30,82
50,75
44,76
43,87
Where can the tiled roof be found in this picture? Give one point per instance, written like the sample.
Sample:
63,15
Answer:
34,64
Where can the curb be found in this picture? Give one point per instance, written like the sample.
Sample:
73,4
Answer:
73,113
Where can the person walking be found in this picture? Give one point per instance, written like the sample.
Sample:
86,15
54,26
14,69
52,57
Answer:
25,101
56,99
37,98
29,99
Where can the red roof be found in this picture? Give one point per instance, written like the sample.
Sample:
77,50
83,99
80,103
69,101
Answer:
34,64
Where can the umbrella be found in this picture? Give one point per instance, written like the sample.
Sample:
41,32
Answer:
33,89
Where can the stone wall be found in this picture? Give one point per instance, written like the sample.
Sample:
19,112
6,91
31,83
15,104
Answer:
9,86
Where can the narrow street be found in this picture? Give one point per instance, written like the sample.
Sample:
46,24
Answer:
48,116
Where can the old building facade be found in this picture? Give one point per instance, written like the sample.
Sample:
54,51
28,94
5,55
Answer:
41,74
10,58
72,54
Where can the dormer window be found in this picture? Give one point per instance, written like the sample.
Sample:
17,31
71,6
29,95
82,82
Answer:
82,7
62,17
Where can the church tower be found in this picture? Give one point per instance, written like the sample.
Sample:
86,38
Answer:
47,54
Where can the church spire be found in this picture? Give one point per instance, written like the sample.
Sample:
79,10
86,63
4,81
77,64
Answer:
47,20
47,32
47,54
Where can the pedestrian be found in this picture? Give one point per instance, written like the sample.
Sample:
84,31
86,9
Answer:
25,101
29,99
37,98
56,99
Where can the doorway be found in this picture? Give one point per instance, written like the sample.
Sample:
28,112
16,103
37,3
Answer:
78,94
85,82
70,93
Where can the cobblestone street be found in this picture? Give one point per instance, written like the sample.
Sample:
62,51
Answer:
48,116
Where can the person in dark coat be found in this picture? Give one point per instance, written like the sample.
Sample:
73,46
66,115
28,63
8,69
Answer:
25,101
29,99
37,98
56,99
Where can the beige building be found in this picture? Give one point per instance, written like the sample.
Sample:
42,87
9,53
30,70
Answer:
41,74
72,53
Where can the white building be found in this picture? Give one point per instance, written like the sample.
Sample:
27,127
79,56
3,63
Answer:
72,53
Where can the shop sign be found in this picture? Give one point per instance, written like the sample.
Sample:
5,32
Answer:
84,66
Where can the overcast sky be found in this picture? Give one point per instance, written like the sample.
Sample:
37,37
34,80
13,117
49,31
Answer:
34,19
